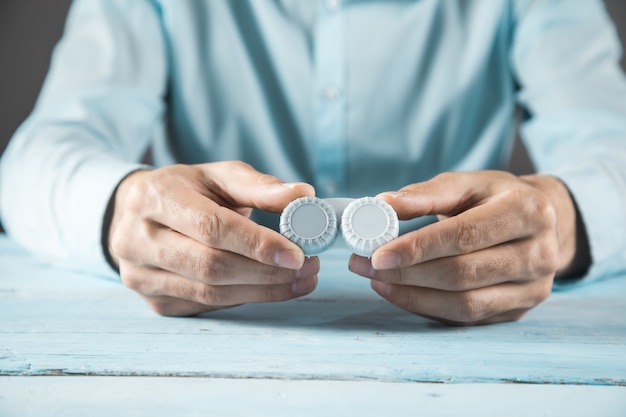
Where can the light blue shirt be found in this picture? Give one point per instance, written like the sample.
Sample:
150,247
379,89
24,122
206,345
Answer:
355,97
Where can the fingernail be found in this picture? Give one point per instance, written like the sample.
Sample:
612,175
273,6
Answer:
311,267
382,288
290,259
361,266
386,260
304,286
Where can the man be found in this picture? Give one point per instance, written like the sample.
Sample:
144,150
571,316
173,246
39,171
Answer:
337,98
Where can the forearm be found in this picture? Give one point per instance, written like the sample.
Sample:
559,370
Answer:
54,186
100,107
566,60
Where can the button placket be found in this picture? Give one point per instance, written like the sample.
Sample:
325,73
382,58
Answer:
330,98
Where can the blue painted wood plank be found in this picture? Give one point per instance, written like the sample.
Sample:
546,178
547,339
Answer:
58,322
143,396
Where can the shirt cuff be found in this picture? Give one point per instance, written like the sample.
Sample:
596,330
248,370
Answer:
91,191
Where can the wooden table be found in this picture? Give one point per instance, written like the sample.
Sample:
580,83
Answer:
71,344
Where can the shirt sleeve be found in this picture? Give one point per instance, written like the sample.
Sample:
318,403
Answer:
100,106
566,56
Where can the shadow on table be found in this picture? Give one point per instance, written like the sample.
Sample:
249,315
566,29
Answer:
331,315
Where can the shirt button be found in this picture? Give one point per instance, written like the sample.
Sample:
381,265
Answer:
331,92
332,5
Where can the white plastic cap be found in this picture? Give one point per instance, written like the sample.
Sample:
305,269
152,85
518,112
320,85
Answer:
310,223
367,224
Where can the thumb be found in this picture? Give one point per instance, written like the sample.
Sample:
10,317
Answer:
445,195
239,184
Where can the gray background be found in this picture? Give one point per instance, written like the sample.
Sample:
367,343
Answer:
30,28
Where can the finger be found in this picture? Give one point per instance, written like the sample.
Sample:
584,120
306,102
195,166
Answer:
449,193
507,217
175,307
221,228
519,261
174,252
468,307
154,282
194,212
513,315
239,184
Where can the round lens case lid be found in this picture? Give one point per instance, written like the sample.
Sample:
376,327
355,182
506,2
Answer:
310,223
367,224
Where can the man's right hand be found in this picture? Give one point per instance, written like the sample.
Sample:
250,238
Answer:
182,238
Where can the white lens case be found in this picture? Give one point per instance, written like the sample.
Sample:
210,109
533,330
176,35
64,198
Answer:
365,223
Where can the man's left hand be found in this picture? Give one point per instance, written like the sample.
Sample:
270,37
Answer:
493,255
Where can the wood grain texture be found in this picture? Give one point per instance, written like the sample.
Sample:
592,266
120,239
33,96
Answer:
145,396
54,321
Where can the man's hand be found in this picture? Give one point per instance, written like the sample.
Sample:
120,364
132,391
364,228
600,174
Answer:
182,238
492,256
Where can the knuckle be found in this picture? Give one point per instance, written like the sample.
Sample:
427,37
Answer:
257,246
444,177
233,166
545,257
270,274
469,309
469,237
544,291
539,209
123,240
506,267
129,238
209,226
400,276
134,280
278,292
171,256
418,248
120,244
131,281
208,295
464,276
209,267
518,196
240,164
136,193
551,259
